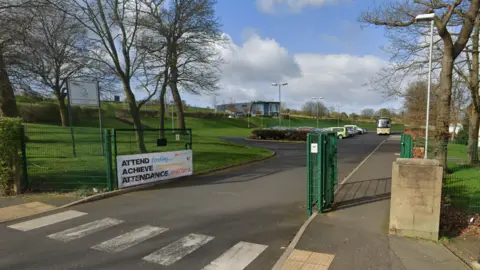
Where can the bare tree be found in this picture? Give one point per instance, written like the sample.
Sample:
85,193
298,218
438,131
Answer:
415,100
12,22
115,29
310,108
469,70
53,50
367,113
191,31
401,15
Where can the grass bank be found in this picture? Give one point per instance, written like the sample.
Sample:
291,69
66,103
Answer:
53,166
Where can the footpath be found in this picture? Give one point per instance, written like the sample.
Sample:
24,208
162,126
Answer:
355,234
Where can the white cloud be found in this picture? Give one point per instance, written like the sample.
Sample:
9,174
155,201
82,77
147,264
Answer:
251,68
269,6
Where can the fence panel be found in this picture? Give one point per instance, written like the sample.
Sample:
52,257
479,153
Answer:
125,140
52,165
461,183
312,171
321,171
461,186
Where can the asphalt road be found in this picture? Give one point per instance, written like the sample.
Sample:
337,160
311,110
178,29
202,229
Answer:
245,216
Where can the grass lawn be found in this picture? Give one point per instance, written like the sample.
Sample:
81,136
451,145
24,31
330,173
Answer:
462,182
51,165
462,186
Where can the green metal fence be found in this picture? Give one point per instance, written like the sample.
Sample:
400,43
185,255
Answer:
321,171
406,149
461,183
54,160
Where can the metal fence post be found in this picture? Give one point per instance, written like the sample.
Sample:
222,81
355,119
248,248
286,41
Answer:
402,146
23,149
320,171
114,156
309,175
108,158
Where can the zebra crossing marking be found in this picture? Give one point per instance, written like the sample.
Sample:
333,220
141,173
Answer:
85,229
129,239
46,220
237,257
178,249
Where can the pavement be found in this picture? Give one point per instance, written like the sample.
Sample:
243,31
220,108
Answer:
243,218
24,205
355,234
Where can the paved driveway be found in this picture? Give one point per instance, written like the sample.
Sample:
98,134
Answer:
238,219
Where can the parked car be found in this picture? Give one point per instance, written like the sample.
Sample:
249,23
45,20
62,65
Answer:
341,132
357,129
351,131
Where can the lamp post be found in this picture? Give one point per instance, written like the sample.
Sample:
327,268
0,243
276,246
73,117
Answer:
428,18
317,101
279,100
338,117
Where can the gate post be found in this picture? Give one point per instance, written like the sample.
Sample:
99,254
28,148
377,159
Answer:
406,146
309,175
108,158
23,148
320,172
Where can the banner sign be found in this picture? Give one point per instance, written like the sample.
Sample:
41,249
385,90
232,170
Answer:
83,93
133,170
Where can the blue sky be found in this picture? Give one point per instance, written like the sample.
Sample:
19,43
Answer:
328,29
317,46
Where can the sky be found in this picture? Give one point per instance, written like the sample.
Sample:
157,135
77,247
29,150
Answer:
318,47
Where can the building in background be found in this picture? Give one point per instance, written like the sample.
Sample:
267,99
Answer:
254,108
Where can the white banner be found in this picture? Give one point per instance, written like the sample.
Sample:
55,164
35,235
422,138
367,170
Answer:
133,170
83,93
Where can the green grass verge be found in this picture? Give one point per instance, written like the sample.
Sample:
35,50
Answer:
52,166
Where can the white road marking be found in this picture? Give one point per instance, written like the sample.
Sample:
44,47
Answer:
397,154
177,250
85,229
237,257
129,239
47,220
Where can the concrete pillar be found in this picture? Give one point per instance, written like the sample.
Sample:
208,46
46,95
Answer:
416,198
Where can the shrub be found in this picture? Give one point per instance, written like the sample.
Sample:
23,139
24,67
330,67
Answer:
273,134
49,113
40,113
9,158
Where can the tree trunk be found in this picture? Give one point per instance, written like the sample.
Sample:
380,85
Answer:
444,97
474,125
135,113
177,99
63,110
162,103
473,136
8,104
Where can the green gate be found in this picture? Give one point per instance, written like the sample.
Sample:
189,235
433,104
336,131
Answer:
406,149
321,171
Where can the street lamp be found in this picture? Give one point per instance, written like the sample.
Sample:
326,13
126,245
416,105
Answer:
338,117
317,101
279,100
428,18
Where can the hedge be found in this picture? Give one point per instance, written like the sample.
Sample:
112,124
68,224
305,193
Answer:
125,113
10,144
49,113
274,134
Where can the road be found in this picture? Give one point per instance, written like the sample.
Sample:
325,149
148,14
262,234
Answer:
245,217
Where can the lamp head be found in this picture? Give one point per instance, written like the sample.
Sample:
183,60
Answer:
425,17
